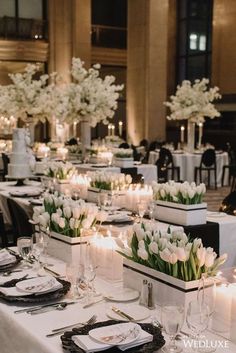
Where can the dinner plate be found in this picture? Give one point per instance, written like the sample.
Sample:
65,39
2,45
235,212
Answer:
18,193
10,265
70,346
116,334
216,214
36,202
124,295
137,312
99,165
38,285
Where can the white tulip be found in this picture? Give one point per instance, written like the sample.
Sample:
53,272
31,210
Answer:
165,255
67,212
173,258
143,254
197,243
201,255
181,254
76,212
153,247
61,222
72,223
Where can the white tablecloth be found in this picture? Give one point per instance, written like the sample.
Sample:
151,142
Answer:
148,171
23,333
188,161
9,186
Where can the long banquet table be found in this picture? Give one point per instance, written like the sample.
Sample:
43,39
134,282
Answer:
227,224
188,161
24,333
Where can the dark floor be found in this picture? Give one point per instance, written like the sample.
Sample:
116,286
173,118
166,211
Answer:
213,198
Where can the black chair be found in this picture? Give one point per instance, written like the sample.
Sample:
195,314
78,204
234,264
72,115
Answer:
5,160
164,164
208,164
20,221
231,166
124,145
144,143
3,234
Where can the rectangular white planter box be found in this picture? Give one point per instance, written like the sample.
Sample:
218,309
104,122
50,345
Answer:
165,288
185,215
123,162
63,186
68,249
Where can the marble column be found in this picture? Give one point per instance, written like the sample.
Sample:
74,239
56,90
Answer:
147,72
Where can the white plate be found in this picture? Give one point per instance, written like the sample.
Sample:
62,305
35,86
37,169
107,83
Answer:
116,334
111,208
18,194
37,285
124,295
137,312
216,214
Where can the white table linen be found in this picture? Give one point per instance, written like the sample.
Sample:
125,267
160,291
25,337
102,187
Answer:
188,161
148,171
23,333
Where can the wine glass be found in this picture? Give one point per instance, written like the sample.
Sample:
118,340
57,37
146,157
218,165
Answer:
172,319
198,315
25,247
151,208
142,208
90,274
75,275
38,247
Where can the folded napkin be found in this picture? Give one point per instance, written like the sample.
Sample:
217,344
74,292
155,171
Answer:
15,292
118,217
6,258
89,345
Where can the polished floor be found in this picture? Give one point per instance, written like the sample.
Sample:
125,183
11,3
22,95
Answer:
215,197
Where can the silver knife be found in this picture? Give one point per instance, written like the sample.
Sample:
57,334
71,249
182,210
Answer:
93,303
35,307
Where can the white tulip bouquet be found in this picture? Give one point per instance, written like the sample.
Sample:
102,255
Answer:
60,170
66,216
122,152
182,193
171,252
193,101
109,181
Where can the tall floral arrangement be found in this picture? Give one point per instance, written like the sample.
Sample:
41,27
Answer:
28,98
193,101
88,97
171,252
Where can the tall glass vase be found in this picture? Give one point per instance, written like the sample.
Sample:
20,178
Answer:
191,136
85,131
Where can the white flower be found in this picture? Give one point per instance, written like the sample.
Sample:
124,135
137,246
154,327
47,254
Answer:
165,255
153,248
61,222
210,257
201,255
142,253
76,212
67,211
72,223
181,254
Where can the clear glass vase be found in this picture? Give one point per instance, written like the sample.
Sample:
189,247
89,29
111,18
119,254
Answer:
191,136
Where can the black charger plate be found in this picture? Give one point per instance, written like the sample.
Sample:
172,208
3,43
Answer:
158,339
40,298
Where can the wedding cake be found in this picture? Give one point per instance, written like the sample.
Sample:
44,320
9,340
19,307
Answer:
19,166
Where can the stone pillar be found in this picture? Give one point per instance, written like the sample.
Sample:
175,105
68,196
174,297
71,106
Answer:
148,61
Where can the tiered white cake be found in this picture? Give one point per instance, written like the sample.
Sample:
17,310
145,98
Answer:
19,166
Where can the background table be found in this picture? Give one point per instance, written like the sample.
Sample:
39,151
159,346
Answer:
148,171
188,161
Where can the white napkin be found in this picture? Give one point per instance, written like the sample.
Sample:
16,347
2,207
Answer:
6,258
89,345
119,217
15,292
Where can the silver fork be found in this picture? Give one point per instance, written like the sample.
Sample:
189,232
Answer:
60,330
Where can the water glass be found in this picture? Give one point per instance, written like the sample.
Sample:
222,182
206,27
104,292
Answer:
89,275
198,315
25,248
151,209
172,319
75,275
142,208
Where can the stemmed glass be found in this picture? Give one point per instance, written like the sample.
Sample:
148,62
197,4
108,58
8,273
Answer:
75,275
172,319
89,275
151,208
142,208
38,247
25,247
198,315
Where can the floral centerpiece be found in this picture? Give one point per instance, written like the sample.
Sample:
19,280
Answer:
183,193
66,216
171,252
109,181
89,99
60,170
180,203
28,98
193,102
123,152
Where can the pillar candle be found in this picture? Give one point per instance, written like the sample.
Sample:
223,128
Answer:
113,130
221,317
120,128
182,128
200,134
233,313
